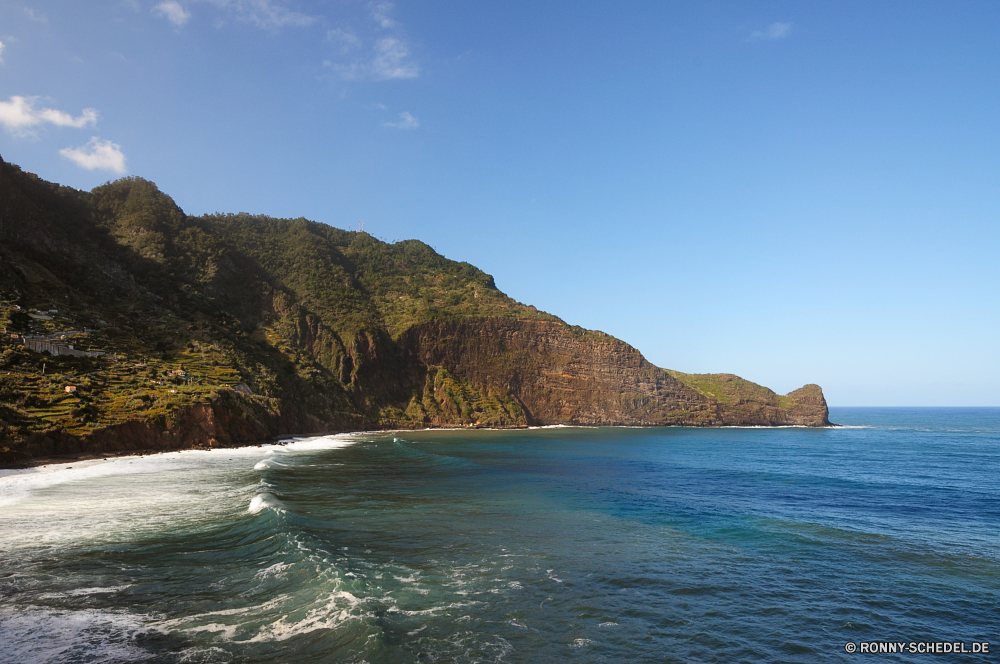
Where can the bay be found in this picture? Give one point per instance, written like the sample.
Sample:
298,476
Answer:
542,545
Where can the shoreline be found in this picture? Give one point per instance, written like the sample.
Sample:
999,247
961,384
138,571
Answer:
79,457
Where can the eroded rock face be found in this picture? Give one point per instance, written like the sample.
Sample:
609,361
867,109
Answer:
564,375
556,374
809,407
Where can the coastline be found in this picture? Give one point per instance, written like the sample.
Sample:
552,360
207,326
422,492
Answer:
85,457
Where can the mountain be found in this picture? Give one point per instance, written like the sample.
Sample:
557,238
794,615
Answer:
130,325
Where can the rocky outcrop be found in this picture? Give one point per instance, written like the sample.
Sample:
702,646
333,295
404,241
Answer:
808,407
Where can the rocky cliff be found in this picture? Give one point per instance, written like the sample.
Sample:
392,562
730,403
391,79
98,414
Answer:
564,375
229,329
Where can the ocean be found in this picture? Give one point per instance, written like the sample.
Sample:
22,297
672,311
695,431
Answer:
541,545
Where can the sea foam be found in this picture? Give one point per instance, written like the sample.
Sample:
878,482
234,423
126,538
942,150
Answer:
34,635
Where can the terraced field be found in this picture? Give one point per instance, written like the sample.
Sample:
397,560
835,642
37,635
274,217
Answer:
132,382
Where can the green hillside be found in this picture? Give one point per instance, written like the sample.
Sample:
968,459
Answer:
304,326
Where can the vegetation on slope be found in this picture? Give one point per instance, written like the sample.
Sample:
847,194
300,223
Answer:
285,308
730,389
314,320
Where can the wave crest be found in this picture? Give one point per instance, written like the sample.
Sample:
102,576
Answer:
263,501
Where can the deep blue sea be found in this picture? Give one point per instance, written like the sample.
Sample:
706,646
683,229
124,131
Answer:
544,545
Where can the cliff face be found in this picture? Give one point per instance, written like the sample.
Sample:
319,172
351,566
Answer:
229,329
563,375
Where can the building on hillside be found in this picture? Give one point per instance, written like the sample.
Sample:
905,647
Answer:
56,348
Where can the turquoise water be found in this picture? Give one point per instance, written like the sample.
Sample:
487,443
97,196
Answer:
545,545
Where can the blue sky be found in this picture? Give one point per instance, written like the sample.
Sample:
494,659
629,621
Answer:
793,192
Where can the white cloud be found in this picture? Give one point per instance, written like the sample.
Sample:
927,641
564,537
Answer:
389,61
380,13
1,52
37,18
381,54
347,40
97,155
19,116
173,12
265,13
406,121
773,31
